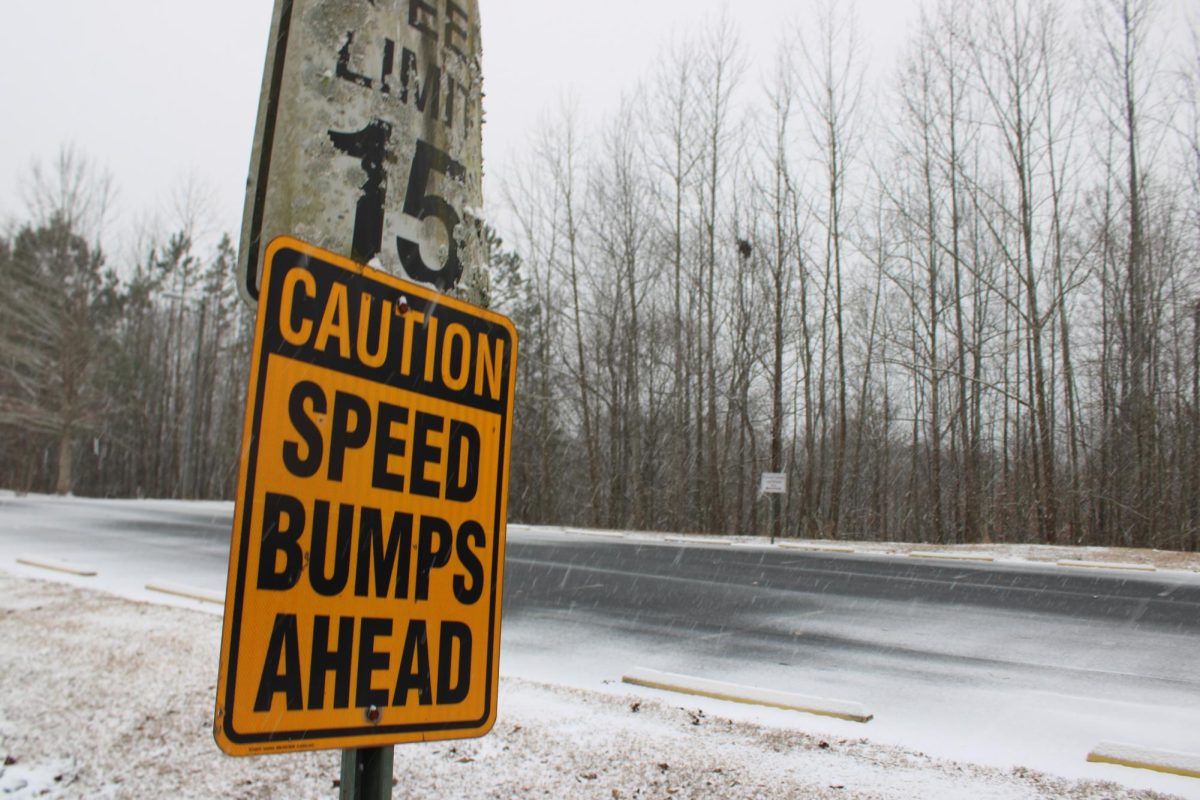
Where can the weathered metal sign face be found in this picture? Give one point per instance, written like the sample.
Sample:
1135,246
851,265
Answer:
368,139
366,569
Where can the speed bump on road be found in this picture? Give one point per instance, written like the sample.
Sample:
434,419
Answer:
817,548
56,566
1071,562
595,532
697,540
750,695
952,556
189,592
1127,755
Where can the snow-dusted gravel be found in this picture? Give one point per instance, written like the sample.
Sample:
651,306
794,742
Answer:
103,697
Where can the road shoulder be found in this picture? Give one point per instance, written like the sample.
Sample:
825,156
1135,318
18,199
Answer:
105,696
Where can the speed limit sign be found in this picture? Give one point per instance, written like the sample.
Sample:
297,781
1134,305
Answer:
368,139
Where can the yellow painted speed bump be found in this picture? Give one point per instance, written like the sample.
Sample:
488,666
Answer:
596,532
952,556
697,540
750,695
1127,755
1070,562
56,566
817,548
189,592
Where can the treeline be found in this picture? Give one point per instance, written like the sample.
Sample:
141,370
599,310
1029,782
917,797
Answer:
958,304
125,376
124,379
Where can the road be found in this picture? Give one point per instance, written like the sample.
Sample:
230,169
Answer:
999,663
838,611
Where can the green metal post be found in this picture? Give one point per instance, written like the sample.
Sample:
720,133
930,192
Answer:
367,773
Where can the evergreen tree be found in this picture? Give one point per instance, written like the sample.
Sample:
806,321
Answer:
56,309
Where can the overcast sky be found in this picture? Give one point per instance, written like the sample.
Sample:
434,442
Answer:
163,92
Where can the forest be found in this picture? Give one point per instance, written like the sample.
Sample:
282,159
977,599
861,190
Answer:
954,300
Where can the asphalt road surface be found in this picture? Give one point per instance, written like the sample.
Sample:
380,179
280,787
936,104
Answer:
995,662
940,620
735,609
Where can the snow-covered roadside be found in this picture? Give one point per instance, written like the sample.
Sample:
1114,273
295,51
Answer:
1040,554
104,697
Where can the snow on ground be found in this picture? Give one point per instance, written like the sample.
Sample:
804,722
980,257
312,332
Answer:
104,697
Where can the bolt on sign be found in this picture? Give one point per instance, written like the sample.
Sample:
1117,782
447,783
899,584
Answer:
365,573
368,139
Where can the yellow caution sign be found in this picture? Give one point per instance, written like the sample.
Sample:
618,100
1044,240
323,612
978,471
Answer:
366,566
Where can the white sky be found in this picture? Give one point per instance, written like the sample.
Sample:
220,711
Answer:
165,92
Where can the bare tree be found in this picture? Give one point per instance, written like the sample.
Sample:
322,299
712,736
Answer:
782,259
831,84
674,155
560,150
1014,68
1123,29
720,71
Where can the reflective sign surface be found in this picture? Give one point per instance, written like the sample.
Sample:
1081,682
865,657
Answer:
363,604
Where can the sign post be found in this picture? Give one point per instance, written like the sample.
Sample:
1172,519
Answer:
775,484
366,571
368,144
367,773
